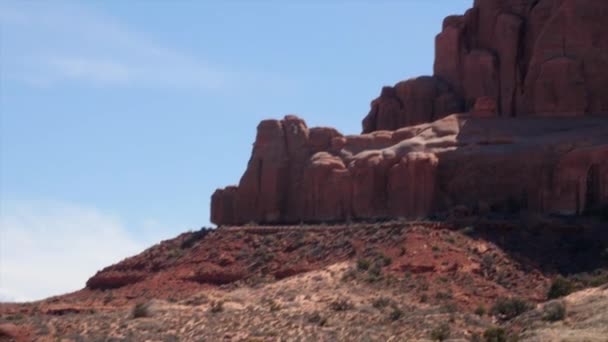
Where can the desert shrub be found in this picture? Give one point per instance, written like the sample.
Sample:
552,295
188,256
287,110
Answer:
363,264
555,311
217,306
273,305
560,287
340,305
509,308
469,230
141,310
480,311
374,273
384,260
196,300
592,279
316,318
395,314
262,255
440,333
495,334
441,295
194,237
381,302
350,274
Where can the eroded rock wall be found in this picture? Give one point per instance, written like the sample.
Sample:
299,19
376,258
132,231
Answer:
297,174
533,57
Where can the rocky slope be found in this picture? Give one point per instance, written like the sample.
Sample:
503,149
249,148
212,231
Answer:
404,280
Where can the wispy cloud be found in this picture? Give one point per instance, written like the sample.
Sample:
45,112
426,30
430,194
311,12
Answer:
50,248
46,43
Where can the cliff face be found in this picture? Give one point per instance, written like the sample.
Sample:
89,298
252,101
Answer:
489,163
532,80
532,57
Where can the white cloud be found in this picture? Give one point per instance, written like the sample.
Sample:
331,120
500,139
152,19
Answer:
50,248
47,43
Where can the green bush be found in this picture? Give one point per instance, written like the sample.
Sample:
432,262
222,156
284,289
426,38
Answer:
495,334
363,264
509,308
395,314
384,260
341,305
381,303
440,333
141,310
480,311
316,318
560,287
554,312
194,237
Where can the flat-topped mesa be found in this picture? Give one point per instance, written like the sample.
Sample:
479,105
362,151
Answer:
533,57
300,174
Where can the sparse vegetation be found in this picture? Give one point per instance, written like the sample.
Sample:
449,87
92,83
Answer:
141,310
273,305
560,287
316,318
350,274
495,334
554,311
443,295
480,311
395,314
341,304
508,308
590,279
194,237
441,333
381,302
469,230
217,306
384,260
363,264
374,273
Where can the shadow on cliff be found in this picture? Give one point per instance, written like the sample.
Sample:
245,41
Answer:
504,184
551,244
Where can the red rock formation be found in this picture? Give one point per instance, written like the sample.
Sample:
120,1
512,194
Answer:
533,60
555,165
534,57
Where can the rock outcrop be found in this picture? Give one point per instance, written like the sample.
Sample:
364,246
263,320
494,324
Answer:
530,76
555,165
533,57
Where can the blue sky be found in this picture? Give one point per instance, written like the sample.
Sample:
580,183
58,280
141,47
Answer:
120,118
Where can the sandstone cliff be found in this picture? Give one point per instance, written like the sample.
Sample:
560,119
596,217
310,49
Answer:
530,79
532,57
484,163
